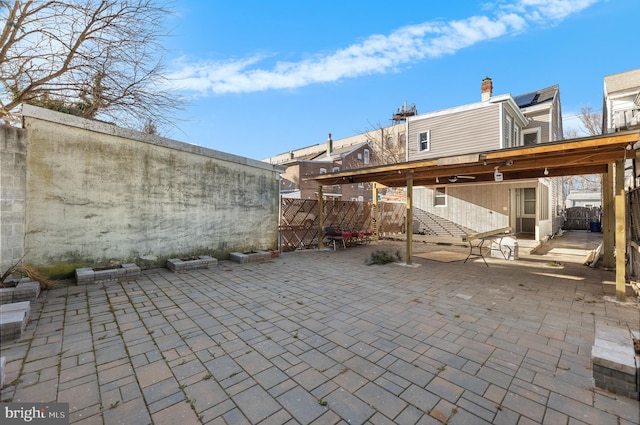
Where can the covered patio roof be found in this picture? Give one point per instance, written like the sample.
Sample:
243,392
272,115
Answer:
589,155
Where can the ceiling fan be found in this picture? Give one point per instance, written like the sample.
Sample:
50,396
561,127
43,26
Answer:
454,179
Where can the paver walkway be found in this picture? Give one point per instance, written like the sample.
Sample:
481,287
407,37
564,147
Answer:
321,338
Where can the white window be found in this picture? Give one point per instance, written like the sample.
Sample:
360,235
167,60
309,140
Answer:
529,201
440,196
516,135
531,136
360,185
335,170
323,170
366,156
359,155
424,141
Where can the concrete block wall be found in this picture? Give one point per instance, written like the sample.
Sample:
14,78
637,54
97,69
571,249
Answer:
13,177
91,194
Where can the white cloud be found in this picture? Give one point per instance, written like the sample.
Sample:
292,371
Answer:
377,54
547,10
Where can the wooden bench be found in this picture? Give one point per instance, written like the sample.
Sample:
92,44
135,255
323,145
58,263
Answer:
476,242
348,238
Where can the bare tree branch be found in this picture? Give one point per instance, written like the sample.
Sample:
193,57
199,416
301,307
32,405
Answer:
387,144
592,122
94,58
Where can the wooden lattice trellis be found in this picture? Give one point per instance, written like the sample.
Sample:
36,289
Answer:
299,220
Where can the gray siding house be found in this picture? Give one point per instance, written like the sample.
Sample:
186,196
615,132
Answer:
621,111
531,207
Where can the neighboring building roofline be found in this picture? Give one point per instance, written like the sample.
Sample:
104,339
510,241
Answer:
321,148
628,81
504,98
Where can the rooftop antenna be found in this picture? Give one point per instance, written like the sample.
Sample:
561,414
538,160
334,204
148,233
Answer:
403,112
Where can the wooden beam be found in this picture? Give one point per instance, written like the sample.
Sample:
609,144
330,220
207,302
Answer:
564,158
567,146
524,168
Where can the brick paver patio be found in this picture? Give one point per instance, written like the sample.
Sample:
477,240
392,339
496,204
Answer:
321,338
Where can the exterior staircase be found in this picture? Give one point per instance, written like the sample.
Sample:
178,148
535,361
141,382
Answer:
430,224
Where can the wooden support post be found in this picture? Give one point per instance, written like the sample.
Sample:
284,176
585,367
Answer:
621,248
409,218
621,234
374,211
320,217
608,219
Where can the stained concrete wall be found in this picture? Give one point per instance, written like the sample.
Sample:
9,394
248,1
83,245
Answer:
99,194
12,194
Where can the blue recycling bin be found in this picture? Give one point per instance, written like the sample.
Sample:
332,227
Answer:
594,226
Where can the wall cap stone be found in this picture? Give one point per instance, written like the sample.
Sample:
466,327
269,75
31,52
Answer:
30,111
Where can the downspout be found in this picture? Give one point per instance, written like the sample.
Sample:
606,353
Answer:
501,115
554,136
406,139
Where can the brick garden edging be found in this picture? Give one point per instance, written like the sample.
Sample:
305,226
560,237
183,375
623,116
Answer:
202,262
123,273
13,320
616,368
250,257
25,290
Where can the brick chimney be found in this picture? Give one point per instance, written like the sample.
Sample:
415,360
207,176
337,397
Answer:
329,146
486,89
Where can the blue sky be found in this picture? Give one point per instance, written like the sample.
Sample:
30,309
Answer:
265,77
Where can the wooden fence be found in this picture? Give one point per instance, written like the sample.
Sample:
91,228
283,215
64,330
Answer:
580,218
